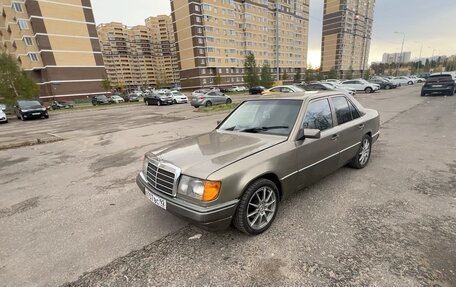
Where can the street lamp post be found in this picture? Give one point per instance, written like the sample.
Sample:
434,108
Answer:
419,60
402,50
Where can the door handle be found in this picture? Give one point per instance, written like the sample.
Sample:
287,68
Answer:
335,137
361,126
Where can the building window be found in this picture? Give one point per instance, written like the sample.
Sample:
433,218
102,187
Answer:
198,19
197,7
22,24
17,7
28,41
33,57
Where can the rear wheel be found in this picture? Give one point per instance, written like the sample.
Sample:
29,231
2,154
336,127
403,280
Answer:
208,104
257,208
363,155
228,101
387,87
368,90
410,83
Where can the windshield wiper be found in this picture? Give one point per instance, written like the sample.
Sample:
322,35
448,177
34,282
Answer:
262,129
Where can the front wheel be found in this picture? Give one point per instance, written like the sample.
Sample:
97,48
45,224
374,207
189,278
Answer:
387,87
228,101
410,83
363,154
158,103
368,90
208,104
257,208
146,103
423,93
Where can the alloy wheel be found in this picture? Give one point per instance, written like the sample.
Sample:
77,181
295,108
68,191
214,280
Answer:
261,207
365,152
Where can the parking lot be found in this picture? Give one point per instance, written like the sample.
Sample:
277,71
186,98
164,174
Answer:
70,210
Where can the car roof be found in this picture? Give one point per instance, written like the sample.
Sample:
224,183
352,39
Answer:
304,95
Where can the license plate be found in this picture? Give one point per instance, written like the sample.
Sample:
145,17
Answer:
155,199
436,86
36,114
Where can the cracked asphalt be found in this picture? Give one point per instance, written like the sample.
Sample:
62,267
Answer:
79,220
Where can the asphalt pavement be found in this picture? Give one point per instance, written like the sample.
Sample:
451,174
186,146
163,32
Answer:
71,212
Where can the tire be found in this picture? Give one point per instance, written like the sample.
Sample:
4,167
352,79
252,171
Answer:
174,102
196,107
410,83
228,101
361,159
21,117
46,116
262,197
368,90
208,104
423,94
451,93
158,103
387,87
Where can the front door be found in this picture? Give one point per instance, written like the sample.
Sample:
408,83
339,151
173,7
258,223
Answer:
318,157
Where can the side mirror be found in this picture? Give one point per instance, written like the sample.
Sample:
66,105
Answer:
309,134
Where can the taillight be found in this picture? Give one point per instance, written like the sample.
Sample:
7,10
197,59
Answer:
200,98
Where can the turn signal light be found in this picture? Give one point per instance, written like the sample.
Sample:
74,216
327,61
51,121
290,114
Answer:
211,190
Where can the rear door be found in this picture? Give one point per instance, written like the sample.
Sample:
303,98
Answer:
318,157
350,126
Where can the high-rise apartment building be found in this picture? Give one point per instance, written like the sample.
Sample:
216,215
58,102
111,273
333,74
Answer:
347,28
163,49
56,41
143,55
127,53
389,58
214,36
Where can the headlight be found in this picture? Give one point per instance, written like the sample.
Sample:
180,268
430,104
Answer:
204,190
24,111
144,166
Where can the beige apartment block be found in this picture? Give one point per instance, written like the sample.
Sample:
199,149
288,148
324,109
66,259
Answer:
347,28
56,41
140,56
214,36
163,48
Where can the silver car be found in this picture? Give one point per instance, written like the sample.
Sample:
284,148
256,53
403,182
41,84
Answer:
265,150
210,98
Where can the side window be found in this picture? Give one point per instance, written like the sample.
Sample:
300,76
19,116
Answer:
286,90
275,90
342,109
354,112
318,115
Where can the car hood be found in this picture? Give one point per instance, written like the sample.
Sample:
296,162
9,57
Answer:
202,155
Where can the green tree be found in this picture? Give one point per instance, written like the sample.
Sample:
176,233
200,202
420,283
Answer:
285,76
266,76
297,77
106,84
332,73
217,80
251,78
15,84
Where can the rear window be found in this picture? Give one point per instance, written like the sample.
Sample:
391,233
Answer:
440,78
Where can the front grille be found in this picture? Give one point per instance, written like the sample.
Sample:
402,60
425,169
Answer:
162,176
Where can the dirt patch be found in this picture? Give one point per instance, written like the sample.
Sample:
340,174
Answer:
115,160
442,183
421,250
20,207
7,163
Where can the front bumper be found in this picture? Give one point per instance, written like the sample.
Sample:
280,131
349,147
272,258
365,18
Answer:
212,218
34,114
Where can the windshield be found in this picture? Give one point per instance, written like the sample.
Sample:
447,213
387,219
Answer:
29,104
266,116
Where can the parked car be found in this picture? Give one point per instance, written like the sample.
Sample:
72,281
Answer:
238,89
439,83
417,79
158,99
424,75
116,99
337,86
100,100
178,97
282,90
361,85
25,110
200,92
392,80
210,98
333,81
57,105
383,83
133,97
256,90
265,150
326,86
403,80
3,117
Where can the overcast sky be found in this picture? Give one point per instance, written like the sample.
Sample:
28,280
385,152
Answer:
428,22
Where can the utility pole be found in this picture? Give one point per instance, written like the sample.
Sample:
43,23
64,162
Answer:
419,61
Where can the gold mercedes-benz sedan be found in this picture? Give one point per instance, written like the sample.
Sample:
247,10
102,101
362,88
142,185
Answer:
263,151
